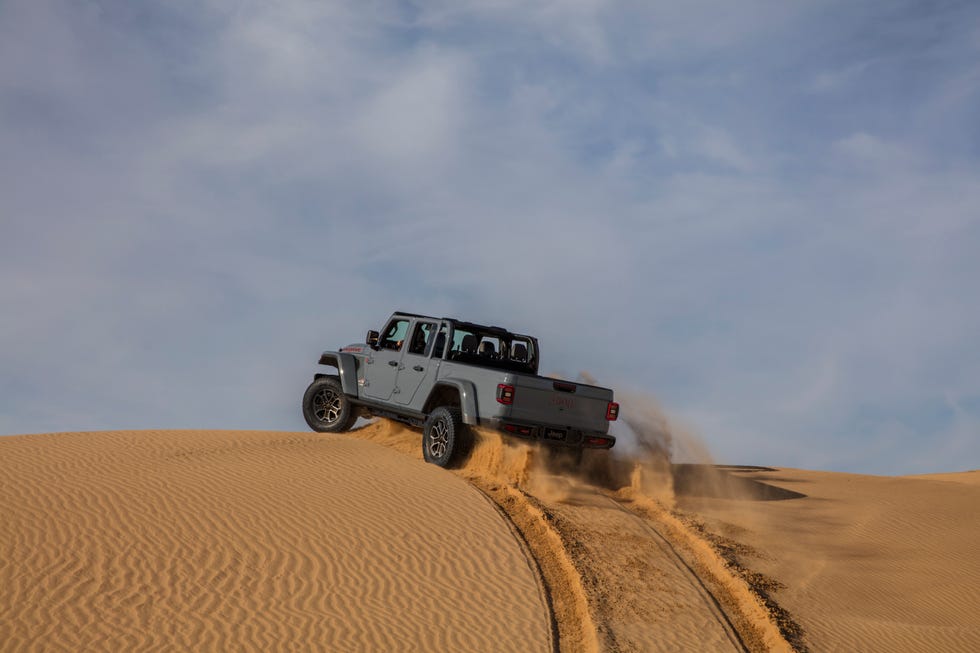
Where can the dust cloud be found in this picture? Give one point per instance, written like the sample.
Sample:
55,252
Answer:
656,456
649,442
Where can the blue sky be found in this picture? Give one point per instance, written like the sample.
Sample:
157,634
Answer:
764,214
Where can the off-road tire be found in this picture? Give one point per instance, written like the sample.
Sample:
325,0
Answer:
445,439
326,408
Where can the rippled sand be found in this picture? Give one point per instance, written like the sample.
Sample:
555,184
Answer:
266,541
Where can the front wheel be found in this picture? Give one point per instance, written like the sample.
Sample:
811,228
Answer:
326,408
444,441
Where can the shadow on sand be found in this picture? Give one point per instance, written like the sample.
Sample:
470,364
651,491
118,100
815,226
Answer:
721,482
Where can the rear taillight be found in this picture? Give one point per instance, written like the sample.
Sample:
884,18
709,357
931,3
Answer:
505,394
612,411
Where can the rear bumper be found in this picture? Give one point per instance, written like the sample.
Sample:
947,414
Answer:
557,436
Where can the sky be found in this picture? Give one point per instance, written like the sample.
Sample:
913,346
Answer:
763,215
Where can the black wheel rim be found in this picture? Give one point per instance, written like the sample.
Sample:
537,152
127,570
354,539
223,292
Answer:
438,439
327,405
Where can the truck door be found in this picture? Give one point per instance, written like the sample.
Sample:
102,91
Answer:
418,365
381,366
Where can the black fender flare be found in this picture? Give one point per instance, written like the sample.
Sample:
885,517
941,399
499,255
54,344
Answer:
467,398
346,367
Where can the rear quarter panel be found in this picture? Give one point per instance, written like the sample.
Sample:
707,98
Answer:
485,382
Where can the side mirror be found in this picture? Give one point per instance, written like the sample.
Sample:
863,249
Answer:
372,339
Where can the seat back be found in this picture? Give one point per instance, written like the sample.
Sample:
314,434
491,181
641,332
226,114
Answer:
487,348
469,344
518,352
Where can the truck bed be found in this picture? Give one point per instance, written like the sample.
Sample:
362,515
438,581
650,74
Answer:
542,408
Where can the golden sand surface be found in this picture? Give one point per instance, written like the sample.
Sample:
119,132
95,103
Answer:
252,541
863,563
246,540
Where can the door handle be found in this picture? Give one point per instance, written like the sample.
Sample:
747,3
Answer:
418,368
393,363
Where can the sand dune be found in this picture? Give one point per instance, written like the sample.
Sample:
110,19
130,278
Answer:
967,478
204,540
221,541
865,563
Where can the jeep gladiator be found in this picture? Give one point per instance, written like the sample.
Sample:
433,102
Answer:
444,374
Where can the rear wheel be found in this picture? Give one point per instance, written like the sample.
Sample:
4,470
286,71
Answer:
444,437
326,408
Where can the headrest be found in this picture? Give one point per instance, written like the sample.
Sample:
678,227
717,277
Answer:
518,352
469,343
487,348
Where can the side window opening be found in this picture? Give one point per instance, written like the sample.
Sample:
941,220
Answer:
465,342
493,349
489,347
519,351
423,338
394,335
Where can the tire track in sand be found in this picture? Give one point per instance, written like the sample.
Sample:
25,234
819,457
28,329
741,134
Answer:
638,593
619,576
699,586
648,583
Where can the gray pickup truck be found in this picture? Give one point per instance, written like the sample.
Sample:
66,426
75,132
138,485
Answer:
442,374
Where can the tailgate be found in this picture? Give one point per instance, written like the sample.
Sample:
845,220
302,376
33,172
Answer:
561,403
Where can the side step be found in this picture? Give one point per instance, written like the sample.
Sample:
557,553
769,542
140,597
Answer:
416,420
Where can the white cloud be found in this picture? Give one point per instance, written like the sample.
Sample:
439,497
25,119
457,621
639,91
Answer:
866,149
718,146
415,117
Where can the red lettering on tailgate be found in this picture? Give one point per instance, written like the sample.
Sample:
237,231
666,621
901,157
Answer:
563,402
